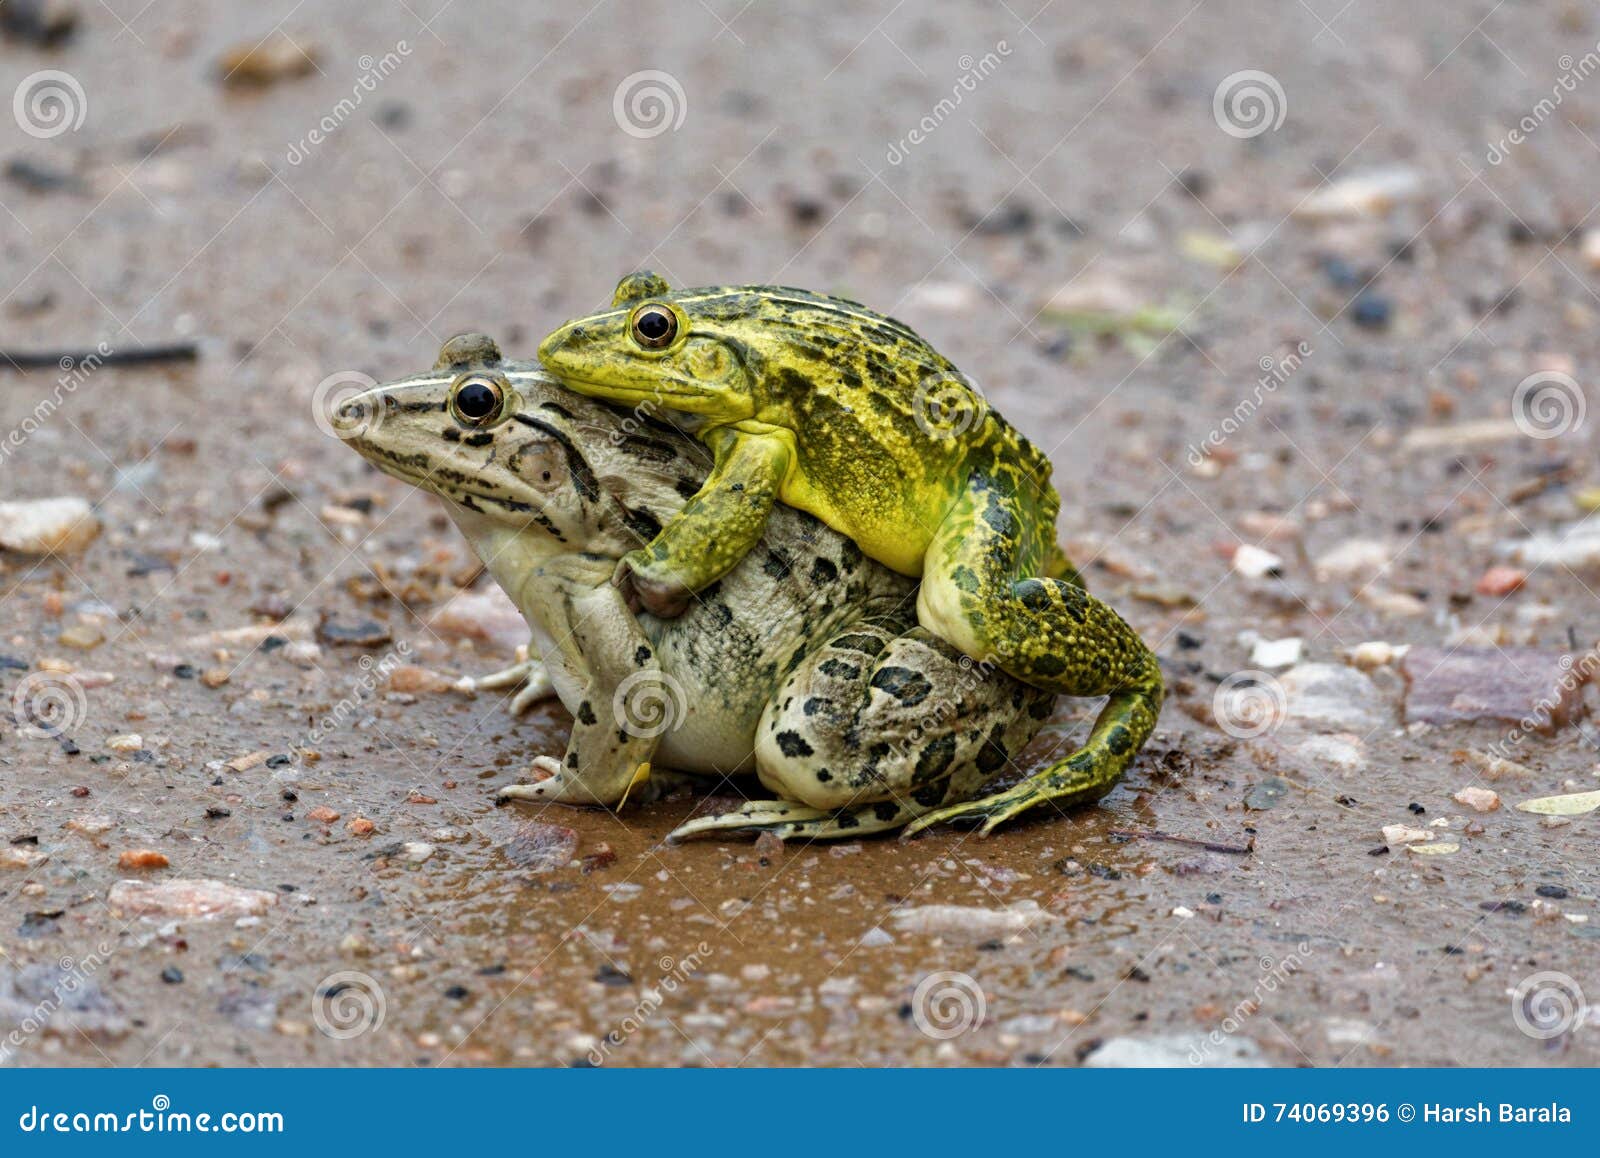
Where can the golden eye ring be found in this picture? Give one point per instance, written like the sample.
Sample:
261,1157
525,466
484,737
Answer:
653,326
476,400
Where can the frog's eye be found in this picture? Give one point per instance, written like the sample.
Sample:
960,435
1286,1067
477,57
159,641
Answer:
654,326
476,400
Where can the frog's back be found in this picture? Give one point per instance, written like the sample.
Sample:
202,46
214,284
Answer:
885,427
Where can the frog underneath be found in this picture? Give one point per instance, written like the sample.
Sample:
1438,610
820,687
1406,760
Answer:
829,407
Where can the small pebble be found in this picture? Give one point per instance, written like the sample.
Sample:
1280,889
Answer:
142,858
1478,799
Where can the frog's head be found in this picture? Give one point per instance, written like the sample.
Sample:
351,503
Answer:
682,350
504,442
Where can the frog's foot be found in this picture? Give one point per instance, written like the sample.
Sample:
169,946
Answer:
1082,777
792,821
529,676
550,783
646,590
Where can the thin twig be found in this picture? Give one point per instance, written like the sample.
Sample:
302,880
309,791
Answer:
1208,845
67,359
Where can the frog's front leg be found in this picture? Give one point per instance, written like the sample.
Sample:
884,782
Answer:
716,528
601,647
996,587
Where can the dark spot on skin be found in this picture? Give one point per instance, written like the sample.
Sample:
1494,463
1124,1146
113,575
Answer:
778,563
823,776
964,579
886,810
813,705
721,614
907,686
642,656
823,571
839,669
931,794
482,438
934,760
793,744
1042,707
1034,594
1049,665
647,449
846,820
865,644
586,713
1118,741
641,522
450,434
686,487
993,756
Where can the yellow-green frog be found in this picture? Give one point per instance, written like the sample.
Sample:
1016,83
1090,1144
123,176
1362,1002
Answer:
821,403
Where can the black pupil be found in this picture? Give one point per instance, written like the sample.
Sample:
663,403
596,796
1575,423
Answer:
476,400
654,325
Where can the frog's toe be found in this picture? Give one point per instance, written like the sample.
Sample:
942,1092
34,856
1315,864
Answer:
794,821
550,783
752,817
529,677
987,814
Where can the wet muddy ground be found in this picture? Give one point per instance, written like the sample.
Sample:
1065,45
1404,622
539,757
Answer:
1121,260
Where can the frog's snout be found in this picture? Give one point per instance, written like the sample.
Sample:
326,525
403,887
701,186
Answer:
568,340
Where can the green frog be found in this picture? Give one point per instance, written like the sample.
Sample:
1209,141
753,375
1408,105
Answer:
804,663
842,412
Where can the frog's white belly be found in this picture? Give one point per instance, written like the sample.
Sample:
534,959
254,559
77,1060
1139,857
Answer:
713,732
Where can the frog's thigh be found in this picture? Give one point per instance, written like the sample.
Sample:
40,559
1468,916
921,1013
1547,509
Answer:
879,714
989,587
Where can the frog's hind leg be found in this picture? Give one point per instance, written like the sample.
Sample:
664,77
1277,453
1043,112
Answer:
877,726
997,587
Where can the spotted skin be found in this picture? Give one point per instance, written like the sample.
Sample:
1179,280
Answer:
853,417
803,664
